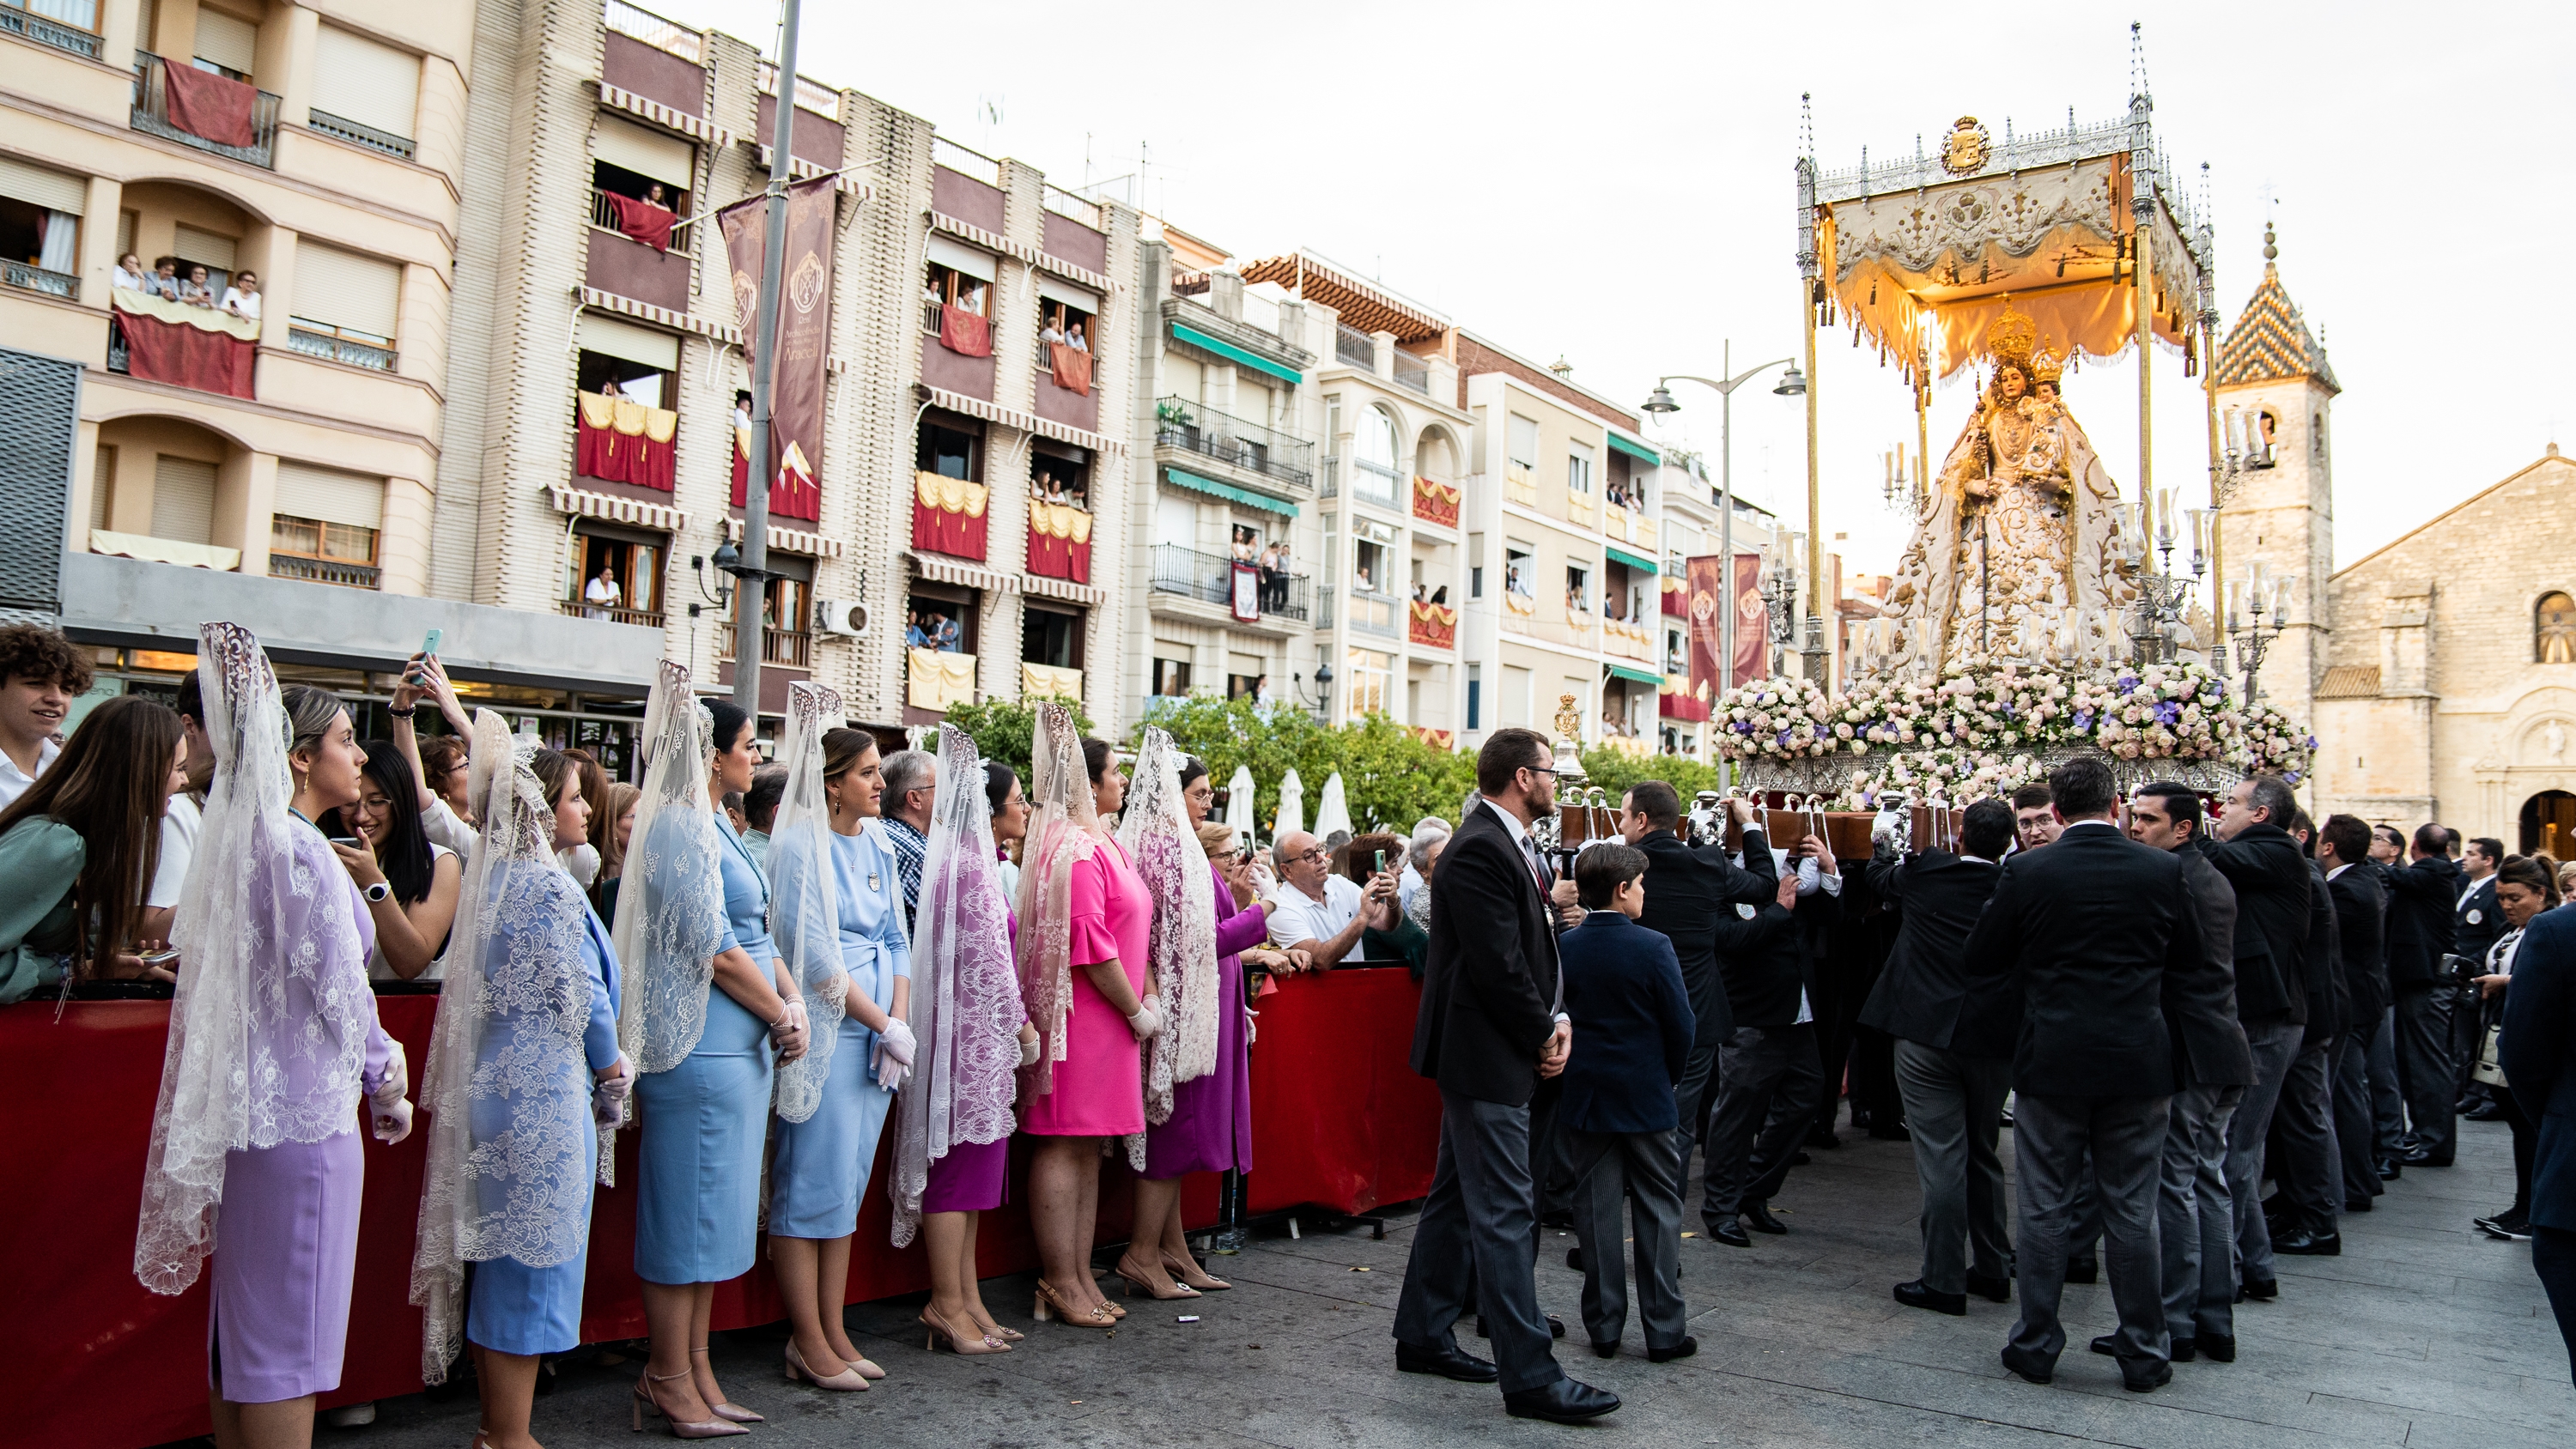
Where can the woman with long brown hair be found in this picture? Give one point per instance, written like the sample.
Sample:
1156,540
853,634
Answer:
614,842
79,845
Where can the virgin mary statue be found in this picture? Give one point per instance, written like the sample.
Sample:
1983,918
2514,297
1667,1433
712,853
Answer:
2016,552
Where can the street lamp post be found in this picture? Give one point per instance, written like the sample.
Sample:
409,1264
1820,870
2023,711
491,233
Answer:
1793,383
751,621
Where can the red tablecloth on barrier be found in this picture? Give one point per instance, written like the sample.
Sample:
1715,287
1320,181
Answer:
1339,1121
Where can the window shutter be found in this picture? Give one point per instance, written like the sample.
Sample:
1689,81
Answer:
183,500
190,244
37,186
640,345
979,265
328,496
227,40
1524,440
666,159
344,290
359,80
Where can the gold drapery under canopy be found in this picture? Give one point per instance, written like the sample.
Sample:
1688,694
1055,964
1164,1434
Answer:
2044,220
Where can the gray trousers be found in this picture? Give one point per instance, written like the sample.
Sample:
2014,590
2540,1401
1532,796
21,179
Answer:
2195,1218
2126,1137
1637,1167
1479,1228
1953,1107
2274,1046
2310,1171
2387,1097
2424,1070
2353,1131
1694,1094
1769,1083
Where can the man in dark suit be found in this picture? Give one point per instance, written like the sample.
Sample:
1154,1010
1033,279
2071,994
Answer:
1769,1075
2303,1218
2251,846
1623,987
2360,907
2478,925
2538,1051
2423,898
1687,889
2085,933
1953,1059
1491,1024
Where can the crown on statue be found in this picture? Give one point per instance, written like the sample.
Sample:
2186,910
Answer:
2012,337
2046,366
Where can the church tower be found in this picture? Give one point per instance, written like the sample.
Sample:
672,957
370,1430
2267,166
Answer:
2275,397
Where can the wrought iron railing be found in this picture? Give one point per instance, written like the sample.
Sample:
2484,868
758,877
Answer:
151,113
609,613
1073,208
37,279
1180,423
603,214
811,94
791,647
338,572
316,339
1412,372
1353,346
1209,578
16,19
641,24
965,162
362,134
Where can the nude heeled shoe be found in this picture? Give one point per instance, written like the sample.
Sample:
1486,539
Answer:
680,1428
848,1380
940,1332
731,1413
1052,1305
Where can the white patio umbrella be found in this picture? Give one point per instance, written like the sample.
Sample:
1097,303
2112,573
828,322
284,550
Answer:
1292,806
1238,803
1332,809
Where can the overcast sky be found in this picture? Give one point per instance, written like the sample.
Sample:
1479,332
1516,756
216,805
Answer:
1612,183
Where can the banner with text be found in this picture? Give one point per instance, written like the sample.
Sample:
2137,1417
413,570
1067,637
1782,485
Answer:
796,384
1752,621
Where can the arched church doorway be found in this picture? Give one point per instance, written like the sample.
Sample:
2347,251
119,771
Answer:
2549,823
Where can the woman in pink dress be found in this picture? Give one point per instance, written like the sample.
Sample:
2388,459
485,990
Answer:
1084,916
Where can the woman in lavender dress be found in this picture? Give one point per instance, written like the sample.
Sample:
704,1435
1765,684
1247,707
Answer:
259,1158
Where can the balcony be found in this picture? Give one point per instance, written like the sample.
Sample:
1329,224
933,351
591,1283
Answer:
618,264
1412,372
337,572
16,20
1375,614
151,113
1281,457
1627,641
1374,483
665,35
359,133
575,608
1209,578
334,344
790,648
1628,526
1432,625
36,279
1354,347
1520,487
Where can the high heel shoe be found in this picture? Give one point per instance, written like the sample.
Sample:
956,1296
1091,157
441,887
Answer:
680,1429
1131,1283
1205,1282
730,1413
940,1331
848,1380
1052,1305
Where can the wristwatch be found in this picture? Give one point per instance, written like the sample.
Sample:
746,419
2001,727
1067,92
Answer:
403,713
378,892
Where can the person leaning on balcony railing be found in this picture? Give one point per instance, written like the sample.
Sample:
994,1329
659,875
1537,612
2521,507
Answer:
164,281
196,291
131,275
441,788
242,298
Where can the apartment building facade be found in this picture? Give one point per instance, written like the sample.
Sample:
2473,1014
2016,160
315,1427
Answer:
1691,524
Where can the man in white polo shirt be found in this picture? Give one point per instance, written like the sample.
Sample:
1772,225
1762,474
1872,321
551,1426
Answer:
1319,912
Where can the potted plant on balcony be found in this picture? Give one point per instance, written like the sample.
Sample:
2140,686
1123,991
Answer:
1174,424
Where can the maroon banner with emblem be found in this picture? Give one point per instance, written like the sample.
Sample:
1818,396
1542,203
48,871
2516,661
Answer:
804,335
1752,620
1705,575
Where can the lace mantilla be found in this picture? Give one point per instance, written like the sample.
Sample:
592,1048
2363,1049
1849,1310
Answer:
1180,953
1064,828
805,907
670,908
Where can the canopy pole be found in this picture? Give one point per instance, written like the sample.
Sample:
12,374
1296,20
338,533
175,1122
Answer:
2138,261
1922,423
1819,660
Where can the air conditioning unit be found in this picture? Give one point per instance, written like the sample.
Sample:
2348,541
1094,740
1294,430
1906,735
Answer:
831,617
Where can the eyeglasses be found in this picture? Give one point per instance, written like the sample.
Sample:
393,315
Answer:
1318,853
1540,769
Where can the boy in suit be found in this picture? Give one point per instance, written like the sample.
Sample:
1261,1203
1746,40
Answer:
1623,988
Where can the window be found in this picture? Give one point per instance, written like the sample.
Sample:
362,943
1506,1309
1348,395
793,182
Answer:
1051,636
1519,572
183,500
1515,703
942,618
1171,676
356,79
615,192
1578,589
1061,473
615,574
1068,315
956,276
324,514
1578,468
1370,674
40,214
2554,638
947,449
344,297
600,372
786,609
1524,441
225,44
1375,478
1369,566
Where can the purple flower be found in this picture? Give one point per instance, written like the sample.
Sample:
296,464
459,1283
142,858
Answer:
2168,712
2083,720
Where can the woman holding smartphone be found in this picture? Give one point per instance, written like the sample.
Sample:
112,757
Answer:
410,883
444,799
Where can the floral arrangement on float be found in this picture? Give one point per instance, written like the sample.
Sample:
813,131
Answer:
1980,729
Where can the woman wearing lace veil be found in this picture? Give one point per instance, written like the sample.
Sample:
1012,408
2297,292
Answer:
1082,950
273,1039
702,1004
839,916
523,1072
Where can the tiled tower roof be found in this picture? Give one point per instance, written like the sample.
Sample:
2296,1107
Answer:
2270,339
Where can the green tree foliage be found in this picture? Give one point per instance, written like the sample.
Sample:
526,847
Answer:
1391,776
1004,730
1615,772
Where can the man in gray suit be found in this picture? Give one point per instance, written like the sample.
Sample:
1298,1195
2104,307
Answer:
2086,934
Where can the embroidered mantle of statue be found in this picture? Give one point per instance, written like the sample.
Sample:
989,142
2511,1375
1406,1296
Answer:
2015,552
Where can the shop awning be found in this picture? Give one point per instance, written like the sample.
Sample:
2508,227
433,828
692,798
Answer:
1213,488
1232,353
1636,676
1620,555
1635,449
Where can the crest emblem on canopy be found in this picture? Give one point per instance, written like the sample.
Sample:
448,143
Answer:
1965,149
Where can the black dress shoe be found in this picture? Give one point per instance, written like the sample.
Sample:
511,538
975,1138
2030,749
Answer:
2215,1347
1574,1259
2146,1380
2387,1168
2262,1290
2358,1205
2422,1158
1800,1159
2108,1345
1757,1216
2483,1112
1669,1352
1555,1326
2084,1270
1915,1295
2184,1350
1822,1137
2306,1242
2029,1365
1993,1290
1609,1349
1730,1233
1447,1361
1562,1402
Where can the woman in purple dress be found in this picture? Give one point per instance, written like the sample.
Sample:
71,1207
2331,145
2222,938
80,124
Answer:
273,1041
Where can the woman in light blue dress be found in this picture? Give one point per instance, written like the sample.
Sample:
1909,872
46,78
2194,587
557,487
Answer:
705,1002
821,1163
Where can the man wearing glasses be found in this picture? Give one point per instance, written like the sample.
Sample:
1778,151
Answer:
1320,913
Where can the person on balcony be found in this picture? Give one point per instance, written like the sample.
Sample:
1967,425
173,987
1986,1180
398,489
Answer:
164,281
242,298
603,593
131,275
1073,338
195,291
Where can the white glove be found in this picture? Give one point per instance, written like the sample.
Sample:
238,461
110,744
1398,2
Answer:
787,1033
1146,1022
897,1040
608,1095
1029,1052
392,1122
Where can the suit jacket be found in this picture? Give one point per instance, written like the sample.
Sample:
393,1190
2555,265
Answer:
2538,1052
1687,890
1922,995
1489,982
2472,938
2209,1034
2321,966
1632,1027
2086,931
1765,962
2361,923
2422,897
2271,880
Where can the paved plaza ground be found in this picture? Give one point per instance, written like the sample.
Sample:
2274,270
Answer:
2424,1333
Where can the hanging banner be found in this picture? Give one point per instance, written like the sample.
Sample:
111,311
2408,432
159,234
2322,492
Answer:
1706,575
804,335
1752,621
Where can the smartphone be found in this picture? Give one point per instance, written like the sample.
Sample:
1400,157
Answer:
1381,860
428,648
350,841
159,958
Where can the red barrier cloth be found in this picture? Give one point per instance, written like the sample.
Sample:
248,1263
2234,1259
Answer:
963,332
185,356
1339,1118
203,103
643,221
959,535
1681,706
1072,367
1051,557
